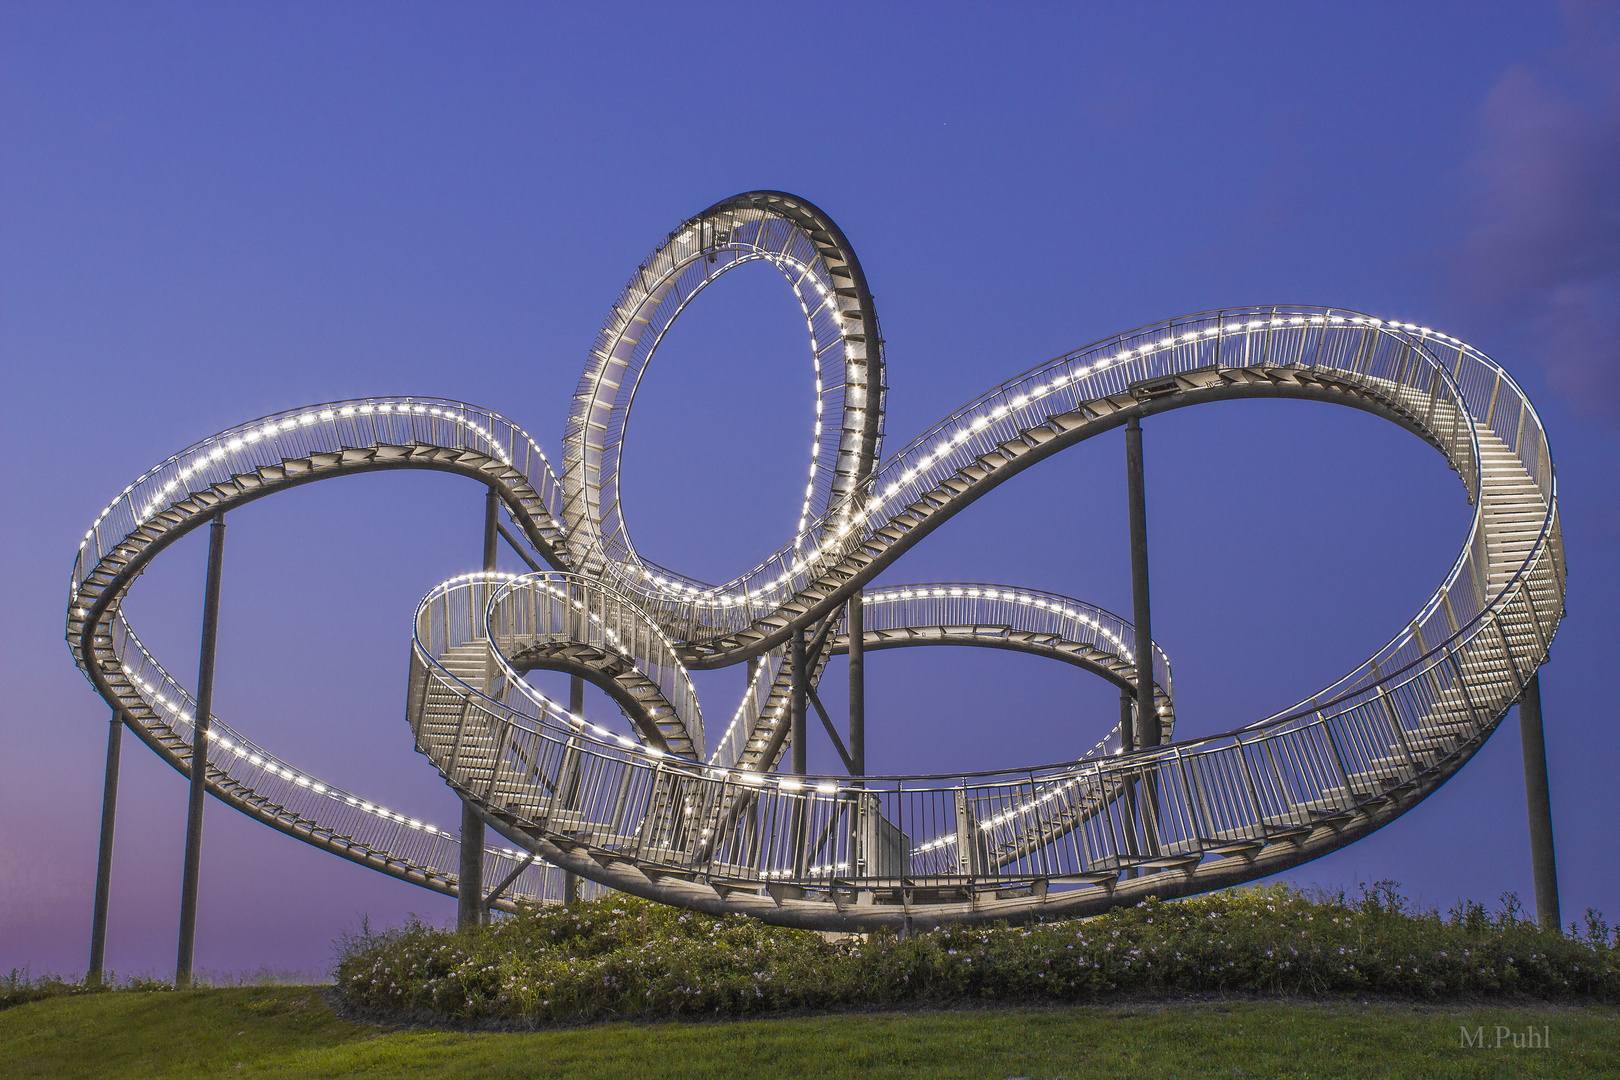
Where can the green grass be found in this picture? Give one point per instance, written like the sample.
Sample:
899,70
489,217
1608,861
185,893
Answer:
289,1032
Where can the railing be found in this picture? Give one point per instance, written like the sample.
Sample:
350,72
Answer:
1034,611
242,770
1428,696
537,611
1361,350
961,613
328,429
1050,822
258,781
849,395
1403,719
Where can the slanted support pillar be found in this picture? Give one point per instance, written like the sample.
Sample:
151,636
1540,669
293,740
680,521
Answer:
797,703
855,629
199,755
109,813
1539,802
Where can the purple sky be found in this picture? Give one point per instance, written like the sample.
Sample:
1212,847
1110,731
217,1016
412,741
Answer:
211,213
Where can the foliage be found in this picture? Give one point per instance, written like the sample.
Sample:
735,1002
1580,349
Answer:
620,957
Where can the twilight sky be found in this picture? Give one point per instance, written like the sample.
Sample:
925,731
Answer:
213,212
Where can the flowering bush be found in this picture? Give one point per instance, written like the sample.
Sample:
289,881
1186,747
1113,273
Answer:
621,957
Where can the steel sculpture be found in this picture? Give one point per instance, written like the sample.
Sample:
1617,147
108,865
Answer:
697,815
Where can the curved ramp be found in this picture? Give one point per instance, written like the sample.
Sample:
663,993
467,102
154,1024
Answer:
665,817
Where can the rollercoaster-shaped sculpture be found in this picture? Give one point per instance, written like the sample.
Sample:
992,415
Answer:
705,820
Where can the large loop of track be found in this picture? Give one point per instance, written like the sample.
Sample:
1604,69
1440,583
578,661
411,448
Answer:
669,816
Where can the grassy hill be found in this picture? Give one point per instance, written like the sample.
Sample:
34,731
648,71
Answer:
1252,983
290,1032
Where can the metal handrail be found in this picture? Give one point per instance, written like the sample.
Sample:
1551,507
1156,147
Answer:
324,429
1405,715
998,615
242,772
651,816
1230,338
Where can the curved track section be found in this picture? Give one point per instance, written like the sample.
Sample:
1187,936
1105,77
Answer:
819,265
247,463
829,853
973,615
660,816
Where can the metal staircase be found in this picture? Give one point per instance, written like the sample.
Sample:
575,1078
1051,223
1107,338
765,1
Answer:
665,815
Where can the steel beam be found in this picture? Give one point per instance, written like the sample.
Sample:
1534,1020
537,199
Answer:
1538,800
1149,730
854,632
109,814
469,886
492,528
1147,717
470,908
832,731
199,755
796,702
506,882
576,705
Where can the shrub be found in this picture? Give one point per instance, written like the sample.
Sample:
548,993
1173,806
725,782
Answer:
622,957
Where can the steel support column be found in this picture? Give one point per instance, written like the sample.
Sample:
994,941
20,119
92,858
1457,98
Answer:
469,902
470,909
1539,802
1147,717
198,766
576,705
109,814
492,528
1148,729
797,703
855,630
